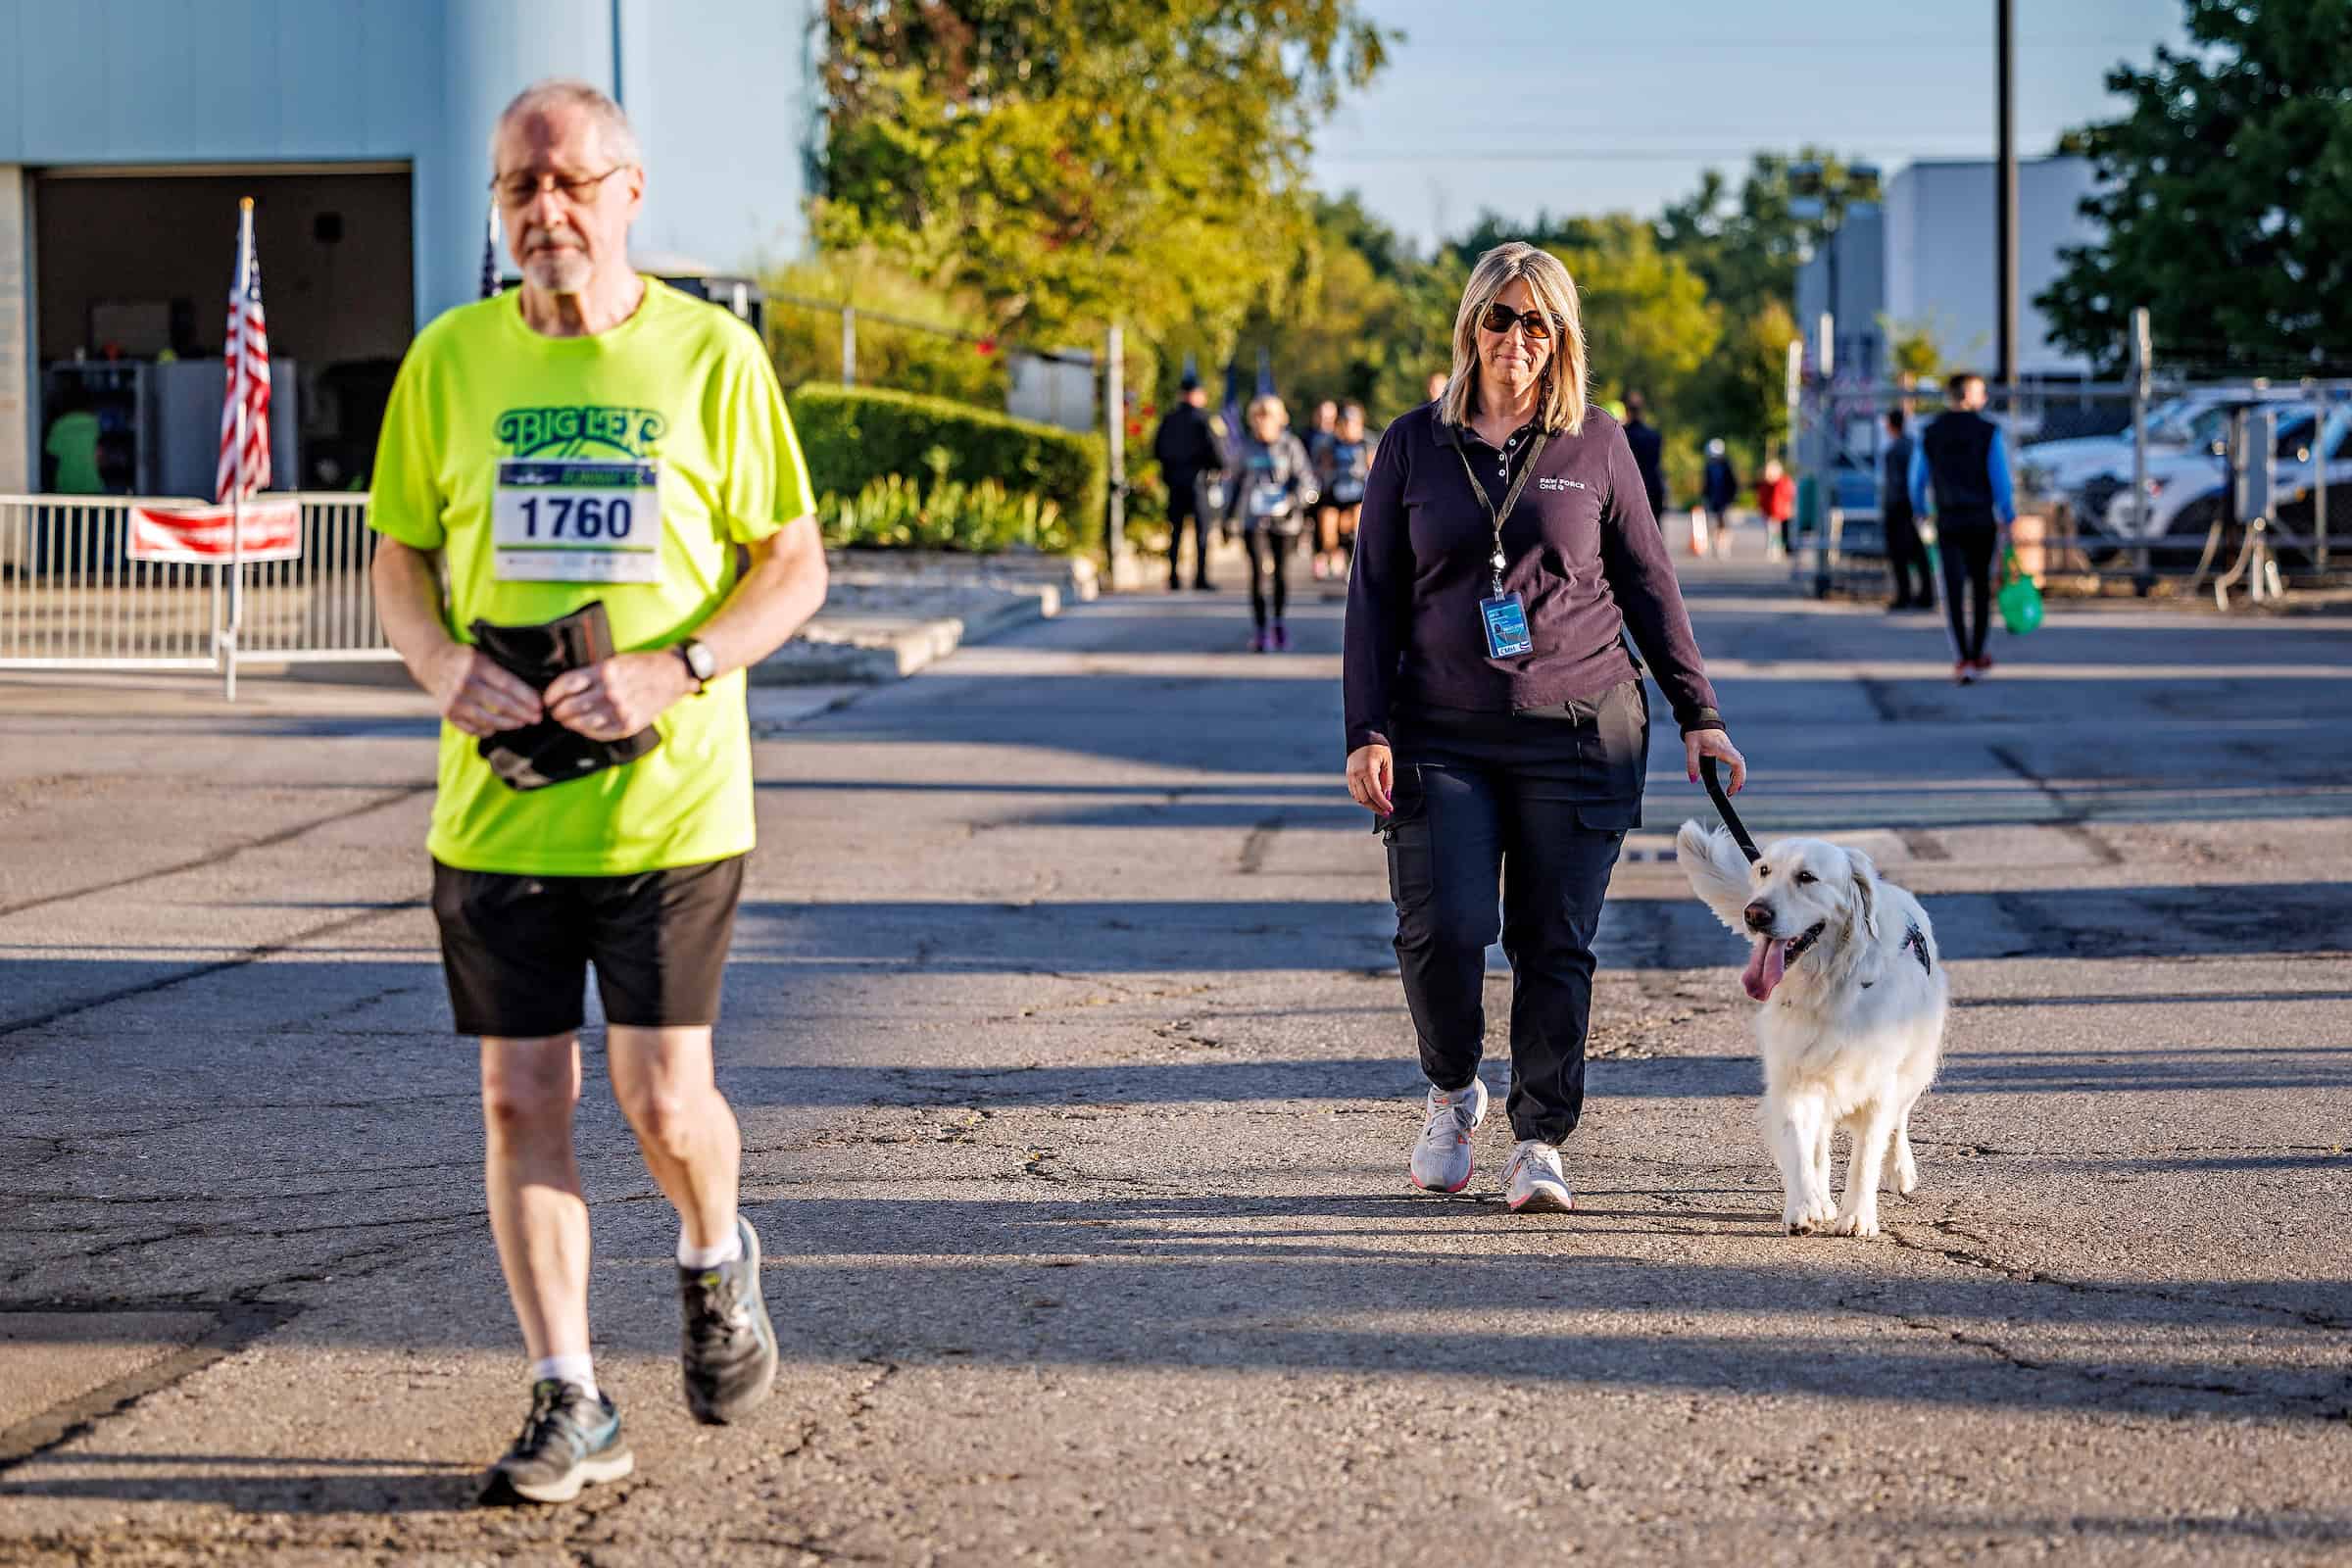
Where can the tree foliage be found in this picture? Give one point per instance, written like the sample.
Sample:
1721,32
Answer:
1746,244
1074,161
2226,194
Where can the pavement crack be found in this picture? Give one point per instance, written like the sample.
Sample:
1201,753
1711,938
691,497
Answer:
252,954
219,856
1978,1255
1256,845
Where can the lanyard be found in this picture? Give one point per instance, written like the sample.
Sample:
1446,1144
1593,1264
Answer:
1510,498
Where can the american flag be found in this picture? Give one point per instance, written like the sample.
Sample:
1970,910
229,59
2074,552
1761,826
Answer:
245,469
490,252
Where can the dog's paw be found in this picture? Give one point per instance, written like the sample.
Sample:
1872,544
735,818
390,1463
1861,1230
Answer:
1906,1181
1859,1224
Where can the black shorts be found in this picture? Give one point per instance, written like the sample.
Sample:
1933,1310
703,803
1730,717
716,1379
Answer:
516,948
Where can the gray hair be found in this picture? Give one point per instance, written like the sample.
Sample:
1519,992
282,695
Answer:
614,133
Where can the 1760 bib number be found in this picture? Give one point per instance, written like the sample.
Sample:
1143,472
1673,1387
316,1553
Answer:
567,520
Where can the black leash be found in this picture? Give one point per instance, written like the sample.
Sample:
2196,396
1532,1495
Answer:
1730,818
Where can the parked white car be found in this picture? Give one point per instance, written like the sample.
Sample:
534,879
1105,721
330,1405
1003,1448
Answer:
2188,490
2190,423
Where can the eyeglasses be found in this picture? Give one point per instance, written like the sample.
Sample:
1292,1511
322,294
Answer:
1501,319
514,190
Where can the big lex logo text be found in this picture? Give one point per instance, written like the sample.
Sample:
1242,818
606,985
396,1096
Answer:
529,433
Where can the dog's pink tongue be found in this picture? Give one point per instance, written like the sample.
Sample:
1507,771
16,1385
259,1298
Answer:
1765,969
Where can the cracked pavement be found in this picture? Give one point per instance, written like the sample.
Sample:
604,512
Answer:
1076,1087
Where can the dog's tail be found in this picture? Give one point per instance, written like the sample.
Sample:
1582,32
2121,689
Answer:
1717,870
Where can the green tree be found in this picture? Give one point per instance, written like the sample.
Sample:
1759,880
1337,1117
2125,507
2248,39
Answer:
1648,323
1358,314
1746,244
1749,245
1071,162
805,338
2226,194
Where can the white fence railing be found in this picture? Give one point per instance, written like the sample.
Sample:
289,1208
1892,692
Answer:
71,597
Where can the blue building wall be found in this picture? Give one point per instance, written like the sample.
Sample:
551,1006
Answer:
718,90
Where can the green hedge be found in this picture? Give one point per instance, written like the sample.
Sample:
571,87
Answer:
853,435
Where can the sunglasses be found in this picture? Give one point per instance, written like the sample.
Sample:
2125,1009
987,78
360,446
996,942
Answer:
1501,319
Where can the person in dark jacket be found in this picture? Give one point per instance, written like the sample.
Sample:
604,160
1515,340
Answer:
1269,491
1186,449
1906,555
1649,453
1718,489
1496,719
1960,476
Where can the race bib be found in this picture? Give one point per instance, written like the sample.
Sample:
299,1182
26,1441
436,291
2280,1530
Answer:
1268,500
572,520
1348,492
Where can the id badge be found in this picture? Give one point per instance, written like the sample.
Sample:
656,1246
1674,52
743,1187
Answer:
568,521
1506,628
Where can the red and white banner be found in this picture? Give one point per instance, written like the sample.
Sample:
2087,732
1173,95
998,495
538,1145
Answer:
200,535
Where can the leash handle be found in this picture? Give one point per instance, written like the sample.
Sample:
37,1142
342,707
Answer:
1730,818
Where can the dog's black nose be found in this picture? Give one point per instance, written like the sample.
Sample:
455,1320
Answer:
1759,916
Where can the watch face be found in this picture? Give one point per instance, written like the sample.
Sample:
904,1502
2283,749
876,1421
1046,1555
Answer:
699,659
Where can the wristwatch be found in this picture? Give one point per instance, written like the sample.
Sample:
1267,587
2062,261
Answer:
700,663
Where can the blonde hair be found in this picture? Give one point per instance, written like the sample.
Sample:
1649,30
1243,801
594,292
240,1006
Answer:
1560,400
1259,405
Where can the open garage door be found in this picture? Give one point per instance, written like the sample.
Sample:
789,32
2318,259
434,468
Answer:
132,269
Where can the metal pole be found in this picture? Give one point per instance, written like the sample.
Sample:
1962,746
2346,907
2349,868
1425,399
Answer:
848,345
2005,201
1827,445
2320,456
1114,413
2144,578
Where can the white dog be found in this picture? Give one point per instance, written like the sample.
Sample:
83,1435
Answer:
1851,1025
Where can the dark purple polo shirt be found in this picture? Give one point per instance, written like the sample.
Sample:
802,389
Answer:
1584,555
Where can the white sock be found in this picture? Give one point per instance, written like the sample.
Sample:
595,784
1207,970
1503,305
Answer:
727,1251
580,1370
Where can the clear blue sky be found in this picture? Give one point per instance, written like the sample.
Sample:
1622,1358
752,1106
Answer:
1593,106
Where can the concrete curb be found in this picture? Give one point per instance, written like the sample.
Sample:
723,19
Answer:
870,648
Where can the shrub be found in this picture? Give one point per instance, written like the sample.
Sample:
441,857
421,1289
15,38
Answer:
852,436
894,511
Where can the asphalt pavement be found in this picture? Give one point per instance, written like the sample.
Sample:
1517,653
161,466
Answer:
1077,1086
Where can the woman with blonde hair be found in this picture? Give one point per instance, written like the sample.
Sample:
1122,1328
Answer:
1496,723
1271,490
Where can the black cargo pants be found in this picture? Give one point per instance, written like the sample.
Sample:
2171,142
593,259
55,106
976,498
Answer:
1509,824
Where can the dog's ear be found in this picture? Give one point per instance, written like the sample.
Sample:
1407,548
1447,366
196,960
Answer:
1717,871
1866,887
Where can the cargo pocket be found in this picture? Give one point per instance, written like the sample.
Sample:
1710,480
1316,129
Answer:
1623,724
1412,867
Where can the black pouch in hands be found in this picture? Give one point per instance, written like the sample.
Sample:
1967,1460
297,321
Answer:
547,752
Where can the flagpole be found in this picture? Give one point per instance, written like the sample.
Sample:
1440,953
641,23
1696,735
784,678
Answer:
236,488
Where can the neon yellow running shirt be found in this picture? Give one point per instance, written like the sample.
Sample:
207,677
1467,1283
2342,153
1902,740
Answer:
551,472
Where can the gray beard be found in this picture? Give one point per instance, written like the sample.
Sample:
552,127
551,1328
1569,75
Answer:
559,273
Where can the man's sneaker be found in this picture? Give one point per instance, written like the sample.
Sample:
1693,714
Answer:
1258,641
569,1440
1440,1160
729,1346
1532,1183
1282,638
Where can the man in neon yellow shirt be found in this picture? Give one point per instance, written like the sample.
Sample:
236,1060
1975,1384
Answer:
595,437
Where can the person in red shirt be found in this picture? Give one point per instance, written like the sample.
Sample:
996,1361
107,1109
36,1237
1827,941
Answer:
1776,497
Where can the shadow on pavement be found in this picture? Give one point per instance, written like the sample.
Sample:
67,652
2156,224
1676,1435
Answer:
277,1484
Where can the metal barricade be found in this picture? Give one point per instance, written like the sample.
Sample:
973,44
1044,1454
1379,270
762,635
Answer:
317,609
71,598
